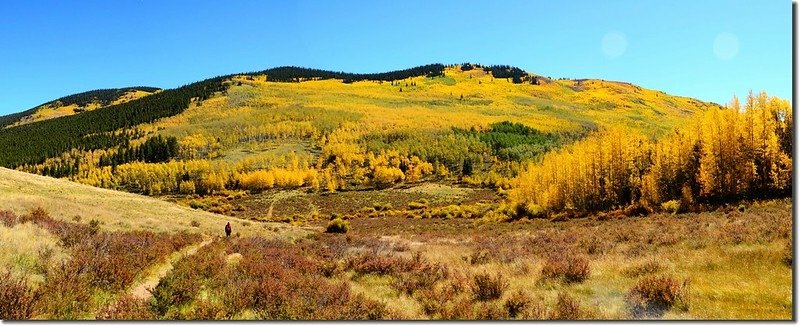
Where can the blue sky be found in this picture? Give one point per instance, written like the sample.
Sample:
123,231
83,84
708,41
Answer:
704,49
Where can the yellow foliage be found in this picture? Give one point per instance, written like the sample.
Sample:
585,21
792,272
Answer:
728,154
257,181
385,176
186,187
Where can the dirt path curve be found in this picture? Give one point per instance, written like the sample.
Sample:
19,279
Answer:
156,272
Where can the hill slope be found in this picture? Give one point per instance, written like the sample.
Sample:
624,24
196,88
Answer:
336,131
76,103
117,211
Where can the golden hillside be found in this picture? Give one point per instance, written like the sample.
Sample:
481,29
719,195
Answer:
333,134
77,103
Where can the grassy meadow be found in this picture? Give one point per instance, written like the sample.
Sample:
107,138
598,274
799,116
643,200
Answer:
401,258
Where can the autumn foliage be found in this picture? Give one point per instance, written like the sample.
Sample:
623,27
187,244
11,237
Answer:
731,153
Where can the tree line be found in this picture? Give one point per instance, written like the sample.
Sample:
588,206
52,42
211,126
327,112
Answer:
297,74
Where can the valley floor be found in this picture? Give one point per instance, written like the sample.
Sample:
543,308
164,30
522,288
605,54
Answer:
733,263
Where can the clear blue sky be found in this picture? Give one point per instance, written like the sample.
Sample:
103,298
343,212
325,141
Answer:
703,49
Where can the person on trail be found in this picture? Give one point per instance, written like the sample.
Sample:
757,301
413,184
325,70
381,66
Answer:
228,230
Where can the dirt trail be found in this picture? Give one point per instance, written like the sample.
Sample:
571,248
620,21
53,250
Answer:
269,212
158,271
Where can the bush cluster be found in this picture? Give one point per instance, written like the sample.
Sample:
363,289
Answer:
651,296
567,267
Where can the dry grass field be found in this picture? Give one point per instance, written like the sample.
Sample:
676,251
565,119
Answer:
114,210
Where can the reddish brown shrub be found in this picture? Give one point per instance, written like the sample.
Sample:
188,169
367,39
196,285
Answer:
8,218
486,287
373,263
207,310
277,280
126,308
489,311
16,298
516,303
445,304
66,292
651,296
424,276
567,308
567,267
100,260
595,245
648,267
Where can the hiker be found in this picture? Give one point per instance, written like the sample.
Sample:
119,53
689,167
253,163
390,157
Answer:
228,230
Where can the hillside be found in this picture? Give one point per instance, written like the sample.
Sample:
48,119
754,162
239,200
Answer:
116,211
435,192
323,126
76,103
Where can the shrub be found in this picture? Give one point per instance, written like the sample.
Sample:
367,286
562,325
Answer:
528,210
486,287
8,218
477,257
207,310
737,233
672,206
489,311
196,204
567,308
194,223
595,245
415,205
382,207
276,280
648,267
566,267
787,253
448,301
126,307
16,298
373,263
94,227
65,294
560,217
651,296
337,225
516,303
424,276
